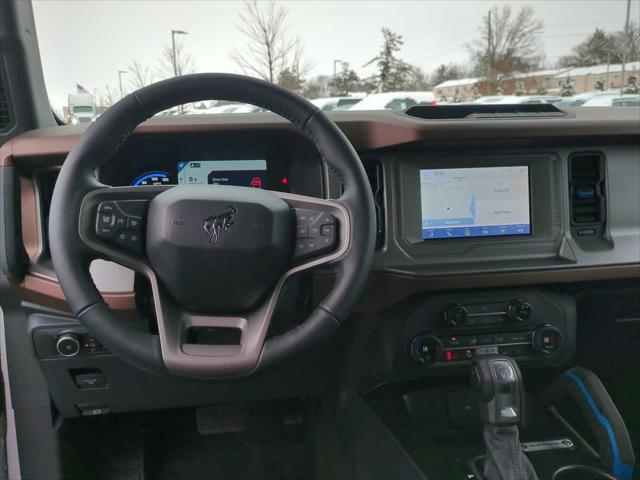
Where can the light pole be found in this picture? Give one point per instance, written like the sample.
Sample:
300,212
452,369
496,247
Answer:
335,70
625,47
335,76
120,72
174,56
173,50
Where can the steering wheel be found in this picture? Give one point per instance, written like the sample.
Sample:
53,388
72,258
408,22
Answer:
216,257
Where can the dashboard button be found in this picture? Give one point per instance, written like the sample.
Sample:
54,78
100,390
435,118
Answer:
519,311
121,223
328,230
455,315
312,236
133,223
68,345
546,339
517,337
425,349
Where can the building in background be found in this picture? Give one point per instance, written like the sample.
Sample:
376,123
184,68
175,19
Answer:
542,82
585,78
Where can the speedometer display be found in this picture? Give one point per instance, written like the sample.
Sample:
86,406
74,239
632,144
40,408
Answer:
152,178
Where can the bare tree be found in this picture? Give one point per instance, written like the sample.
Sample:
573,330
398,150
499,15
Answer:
508,43
184,63
108,96
140,75
271,51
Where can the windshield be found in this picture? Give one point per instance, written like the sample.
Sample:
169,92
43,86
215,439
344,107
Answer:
388,55
82,109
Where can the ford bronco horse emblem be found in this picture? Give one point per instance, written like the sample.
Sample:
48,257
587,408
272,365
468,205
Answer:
215,224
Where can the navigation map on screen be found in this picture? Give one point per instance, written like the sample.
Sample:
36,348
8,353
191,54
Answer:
475,202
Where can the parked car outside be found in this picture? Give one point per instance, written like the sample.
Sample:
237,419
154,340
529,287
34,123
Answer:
614,101
394,101
335,103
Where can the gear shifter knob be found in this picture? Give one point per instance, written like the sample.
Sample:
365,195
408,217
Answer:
502,393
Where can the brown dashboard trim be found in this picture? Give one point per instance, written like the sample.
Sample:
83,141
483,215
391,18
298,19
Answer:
385,289
31,236
365,130
48,293
382,290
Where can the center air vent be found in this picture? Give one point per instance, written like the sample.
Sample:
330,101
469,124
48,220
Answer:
587,190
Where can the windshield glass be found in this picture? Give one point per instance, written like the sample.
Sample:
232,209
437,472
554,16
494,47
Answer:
82,109
388,55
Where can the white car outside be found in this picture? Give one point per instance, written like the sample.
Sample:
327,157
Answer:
335,103
610,100
515,99
394,101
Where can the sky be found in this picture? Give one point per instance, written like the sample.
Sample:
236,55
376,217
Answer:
87,42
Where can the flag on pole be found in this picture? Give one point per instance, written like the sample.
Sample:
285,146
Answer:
81,89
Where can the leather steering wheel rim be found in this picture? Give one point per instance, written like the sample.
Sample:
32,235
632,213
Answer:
72,256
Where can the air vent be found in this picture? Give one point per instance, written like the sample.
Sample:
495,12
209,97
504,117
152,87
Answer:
376,179
480,111
587,190
5,119
45,182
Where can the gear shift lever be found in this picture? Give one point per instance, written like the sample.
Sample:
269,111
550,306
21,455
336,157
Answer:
502,408
500,384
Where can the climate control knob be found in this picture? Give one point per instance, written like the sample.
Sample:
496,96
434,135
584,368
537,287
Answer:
519,311
425,349
455,315
546,339
68,345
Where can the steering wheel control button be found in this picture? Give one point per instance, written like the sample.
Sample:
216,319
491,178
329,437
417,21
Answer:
68,345
316,233
120,223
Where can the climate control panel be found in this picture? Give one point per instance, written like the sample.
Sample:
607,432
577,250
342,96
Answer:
533,326
429,349
485,314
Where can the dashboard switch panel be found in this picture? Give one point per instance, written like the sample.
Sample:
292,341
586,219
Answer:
66,343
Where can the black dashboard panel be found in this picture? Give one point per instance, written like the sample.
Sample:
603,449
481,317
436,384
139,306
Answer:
293,165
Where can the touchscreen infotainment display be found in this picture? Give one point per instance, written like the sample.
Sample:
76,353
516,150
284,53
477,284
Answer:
240,173
475,202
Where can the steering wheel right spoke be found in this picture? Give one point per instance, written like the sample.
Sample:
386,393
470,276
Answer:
112,223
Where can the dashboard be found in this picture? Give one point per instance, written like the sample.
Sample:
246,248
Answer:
482,228
459,204
282,162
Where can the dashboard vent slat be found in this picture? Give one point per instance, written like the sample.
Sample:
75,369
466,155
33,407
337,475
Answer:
5,118
587,189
